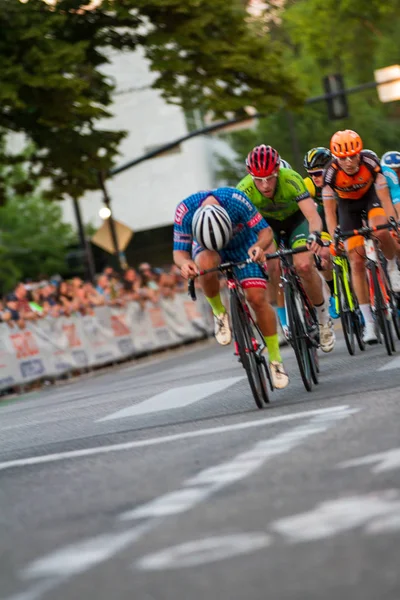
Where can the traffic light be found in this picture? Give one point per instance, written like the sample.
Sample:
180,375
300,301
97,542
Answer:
337,106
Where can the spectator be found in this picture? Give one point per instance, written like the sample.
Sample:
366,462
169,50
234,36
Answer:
23,307
55,297
148,276
13,312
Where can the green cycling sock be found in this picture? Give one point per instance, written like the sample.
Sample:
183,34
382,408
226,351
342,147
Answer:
216,304
274,352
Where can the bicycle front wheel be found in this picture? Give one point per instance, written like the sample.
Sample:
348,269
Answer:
251,363
297,336
345,313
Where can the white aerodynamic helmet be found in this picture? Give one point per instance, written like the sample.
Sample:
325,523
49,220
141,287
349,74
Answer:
212,227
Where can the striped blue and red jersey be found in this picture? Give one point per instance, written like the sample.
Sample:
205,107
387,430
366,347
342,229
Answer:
247,222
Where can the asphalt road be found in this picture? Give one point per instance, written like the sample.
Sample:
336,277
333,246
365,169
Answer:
162,481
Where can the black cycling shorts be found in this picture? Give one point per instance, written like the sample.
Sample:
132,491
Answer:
350,211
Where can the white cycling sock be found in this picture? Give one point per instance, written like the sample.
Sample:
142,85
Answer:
392,264
367,313
322,312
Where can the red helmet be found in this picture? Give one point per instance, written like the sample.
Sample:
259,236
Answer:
262,161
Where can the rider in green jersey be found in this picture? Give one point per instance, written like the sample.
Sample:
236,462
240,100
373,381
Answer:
283,200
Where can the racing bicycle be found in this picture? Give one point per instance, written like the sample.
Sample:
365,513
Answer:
249,342
302,318
346,303
382,298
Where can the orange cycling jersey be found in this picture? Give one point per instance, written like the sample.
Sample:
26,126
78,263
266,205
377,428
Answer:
353,187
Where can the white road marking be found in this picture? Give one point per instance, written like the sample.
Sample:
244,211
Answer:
392,364
79,557
36,591
336,516
207,482
59,566
177,397
387,461
49,458
200,552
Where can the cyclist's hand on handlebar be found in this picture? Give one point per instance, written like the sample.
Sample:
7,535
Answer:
314,242
257,254
189,269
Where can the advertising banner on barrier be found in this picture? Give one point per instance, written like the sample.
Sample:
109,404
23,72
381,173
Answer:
51,347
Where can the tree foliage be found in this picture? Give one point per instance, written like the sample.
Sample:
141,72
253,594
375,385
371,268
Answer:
205,53
33,238
349,37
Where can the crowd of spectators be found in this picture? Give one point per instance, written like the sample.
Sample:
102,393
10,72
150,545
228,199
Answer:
32,300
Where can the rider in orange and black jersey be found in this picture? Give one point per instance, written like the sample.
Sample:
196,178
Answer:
354,183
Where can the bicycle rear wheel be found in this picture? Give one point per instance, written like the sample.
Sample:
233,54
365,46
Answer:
381,311
345,313
297,336
252,364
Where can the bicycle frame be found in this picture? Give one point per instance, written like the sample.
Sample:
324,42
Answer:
235,287
288,270
372,258
343,264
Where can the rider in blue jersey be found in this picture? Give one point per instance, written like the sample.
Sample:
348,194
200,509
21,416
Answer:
223,224
390,163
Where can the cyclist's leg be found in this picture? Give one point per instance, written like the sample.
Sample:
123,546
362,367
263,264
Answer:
255,287
274,290
350,218
315,286
377,216
207,259
275,295
327,273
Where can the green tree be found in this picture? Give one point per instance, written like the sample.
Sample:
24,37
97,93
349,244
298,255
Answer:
205,52
320,40
33,238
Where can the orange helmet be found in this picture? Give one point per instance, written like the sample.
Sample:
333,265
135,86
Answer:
346,143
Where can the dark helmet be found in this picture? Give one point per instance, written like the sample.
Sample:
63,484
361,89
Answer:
317,158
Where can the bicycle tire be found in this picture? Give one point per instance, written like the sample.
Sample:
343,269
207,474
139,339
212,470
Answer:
247,355
358,328
314,364
393,296
297,338
395,313
380,309
345,314
311,319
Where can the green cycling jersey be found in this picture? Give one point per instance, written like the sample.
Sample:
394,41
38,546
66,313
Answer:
290,190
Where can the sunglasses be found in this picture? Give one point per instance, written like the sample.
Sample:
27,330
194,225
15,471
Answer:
264,179
316,173
353,158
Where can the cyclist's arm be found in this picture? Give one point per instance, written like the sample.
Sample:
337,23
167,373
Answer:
264,239
183,241
382,191
309,210
330,208
394,189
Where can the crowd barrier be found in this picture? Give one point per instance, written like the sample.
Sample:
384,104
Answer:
54,347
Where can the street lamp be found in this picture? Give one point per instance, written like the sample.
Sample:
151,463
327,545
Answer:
105,213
